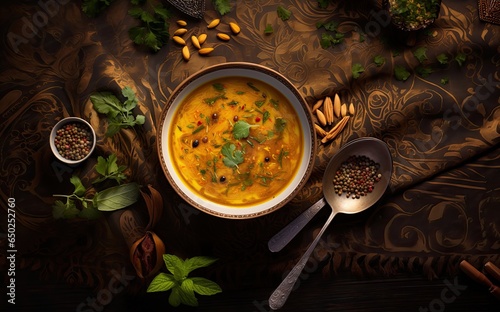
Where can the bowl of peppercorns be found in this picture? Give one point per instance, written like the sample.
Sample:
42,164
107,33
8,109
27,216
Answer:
72,140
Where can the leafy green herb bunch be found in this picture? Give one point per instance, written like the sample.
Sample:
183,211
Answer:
413,14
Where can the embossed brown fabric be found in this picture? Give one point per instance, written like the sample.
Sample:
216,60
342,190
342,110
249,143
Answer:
442,128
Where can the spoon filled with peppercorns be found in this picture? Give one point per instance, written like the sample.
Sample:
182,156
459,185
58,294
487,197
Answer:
354,180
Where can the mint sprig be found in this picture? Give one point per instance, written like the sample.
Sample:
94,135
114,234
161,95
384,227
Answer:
184,288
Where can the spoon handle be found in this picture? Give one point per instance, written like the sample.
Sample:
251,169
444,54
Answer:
283,237
280,294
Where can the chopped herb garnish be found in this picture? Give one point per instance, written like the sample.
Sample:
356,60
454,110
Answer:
379,60
269,29
420,54
251,85
282,154
357,69
266,116
401,73
241,129
280,125
199,129
283,13
232,156
442,59
275,103
218,86
260,103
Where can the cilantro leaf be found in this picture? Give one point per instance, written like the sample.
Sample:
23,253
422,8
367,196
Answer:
93,7
280,125
77,183
401,73
423,71
379,60
89,213
444,81
269,29
460,58
64,211
232,157
222,6
241,129
420,54
357,69
283,13
153,29
109,169
442,59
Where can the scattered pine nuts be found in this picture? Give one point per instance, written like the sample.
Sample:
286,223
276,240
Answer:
321,117
185,53
336,105
352,110
213,23
179,40
326,111
234,28
317,105
195,42
202,38
205,51
223,36
343,110
180,32
182,23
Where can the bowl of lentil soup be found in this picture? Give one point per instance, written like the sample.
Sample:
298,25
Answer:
236,140
72,140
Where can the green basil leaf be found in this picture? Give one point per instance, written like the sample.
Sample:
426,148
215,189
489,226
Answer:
102,166
161,282
205,286
117,197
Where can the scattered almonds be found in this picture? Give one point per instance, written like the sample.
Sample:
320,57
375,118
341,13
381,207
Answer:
343,110
326,111
234,28
351,109
321,117
317,105
336,105
223,36
213,23
185,53
328,108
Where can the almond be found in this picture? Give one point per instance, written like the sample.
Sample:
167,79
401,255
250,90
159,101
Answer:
195,42
223,36
330,135
234,28
202,38
336,105
205,51
317,105
185,53
343,110
321,117
179,40
328,108
213,23
352,110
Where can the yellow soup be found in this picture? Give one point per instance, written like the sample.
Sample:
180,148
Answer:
236,141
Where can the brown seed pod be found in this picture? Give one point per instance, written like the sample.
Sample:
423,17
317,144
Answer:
234,28
146,255
335,130
213,23
223,36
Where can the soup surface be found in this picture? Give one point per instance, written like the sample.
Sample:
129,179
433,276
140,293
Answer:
236,141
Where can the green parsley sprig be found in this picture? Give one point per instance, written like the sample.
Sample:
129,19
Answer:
120,114
184,288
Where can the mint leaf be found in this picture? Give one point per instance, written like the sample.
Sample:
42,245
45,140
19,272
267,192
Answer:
205,287
175,297
187,293
172,262
77,183
232,157
283,13
194,263
162,282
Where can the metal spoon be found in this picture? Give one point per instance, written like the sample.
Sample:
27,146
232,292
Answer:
376,150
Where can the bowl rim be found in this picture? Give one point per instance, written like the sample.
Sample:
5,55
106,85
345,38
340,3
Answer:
61,123
240,213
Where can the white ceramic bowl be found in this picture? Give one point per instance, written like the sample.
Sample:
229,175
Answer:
246,70
63,122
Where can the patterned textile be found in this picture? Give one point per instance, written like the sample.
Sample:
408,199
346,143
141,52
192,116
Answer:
442,126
